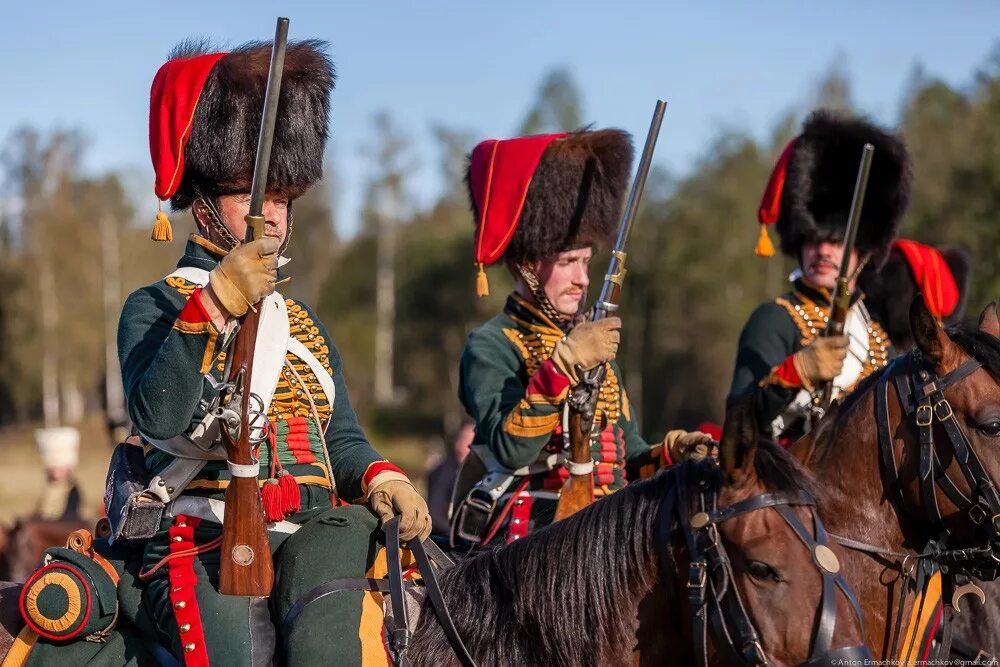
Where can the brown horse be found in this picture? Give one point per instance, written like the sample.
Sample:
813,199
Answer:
22,546
907,465
610,585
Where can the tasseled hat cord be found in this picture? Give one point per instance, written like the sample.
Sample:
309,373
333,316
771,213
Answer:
161,228
482,282
770,203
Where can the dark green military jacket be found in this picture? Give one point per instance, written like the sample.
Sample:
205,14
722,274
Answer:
514,393
167,343
778,329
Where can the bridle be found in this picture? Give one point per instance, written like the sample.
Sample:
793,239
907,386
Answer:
692,505
921,394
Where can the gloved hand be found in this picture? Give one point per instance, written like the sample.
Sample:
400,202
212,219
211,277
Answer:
395,496
680,444
246,275
588,345
821,360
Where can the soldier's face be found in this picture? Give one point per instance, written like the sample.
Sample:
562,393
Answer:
234,208
564,278
821,263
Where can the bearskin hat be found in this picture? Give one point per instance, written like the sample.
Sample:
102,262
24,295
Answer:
941,276
222,119
815,181
534,197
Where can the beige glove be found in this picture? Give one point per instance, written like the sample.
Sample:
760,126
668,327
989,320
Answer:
395,495
587,346
246,275
681,444
821,360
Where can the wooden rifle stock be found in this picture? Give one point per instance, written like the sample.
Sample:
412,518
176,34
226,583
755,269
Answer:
245,565
835,327
578,490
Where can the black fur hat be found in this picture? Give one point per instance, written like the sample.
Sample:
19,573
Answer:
574,195
819,184
220,153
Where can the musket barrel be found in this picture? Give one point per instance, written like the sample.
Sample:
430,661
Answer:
857,203
645,161
605,303
266,137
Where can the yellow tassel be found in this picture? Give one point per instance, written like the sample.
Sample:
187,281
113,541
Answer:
482,282
162,230
764,246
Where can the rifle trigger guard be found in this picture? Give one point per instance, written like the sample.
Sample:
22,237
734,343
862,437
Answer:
257,421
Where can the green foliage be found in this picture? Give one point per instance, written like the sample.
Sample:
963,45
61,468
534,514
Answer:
557,108
692,276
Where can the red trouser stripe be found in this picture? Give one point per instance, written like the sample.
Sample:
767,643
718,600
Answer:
520,515
183,600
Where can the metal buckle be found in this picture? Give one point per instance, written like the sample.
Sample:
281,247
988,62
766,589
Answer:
984,658
927,417
940,411
697,580
473,516
755,653
978,514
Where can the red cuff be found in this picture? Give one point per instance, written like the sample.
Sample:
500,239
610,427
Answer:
375,469
666,460
194,310
785,374
548,381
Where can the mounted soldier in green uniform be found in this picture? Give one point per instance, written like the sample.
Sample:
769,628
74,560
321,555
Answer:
541,204
782,359
165,497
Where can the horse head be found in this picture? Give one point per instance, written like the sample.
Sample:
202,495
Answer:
947,444
774,569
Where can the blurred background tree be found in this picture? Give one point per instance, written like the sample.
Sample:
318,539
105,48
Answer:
693,278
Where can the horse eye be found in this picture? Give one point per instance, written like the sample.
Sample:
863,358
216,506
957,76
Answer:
762,571
991,429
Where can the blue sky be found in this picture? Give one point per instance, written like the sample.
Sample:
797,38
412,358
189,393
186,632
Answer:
476,66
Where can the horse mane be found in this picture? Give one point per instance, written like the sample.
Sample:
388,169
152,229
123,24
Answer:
779,471
513,602
561,595
981,346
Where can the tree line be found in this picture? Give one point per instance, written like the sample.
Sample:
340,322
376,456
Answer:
399,294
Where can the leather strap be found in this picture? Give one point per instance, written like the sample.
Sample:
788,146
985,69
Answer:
329,588
401,633
715,602
438,603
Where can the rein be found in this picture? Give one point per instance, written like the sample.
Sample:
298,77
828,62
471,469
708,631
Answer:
426,554
401,633
715,601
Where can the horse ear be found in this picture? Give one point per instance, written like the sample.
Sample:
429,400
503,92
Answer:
989,322
928,334
739,442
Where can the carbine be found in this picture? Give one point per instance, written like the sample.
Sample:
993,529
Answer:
245,566
578,490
